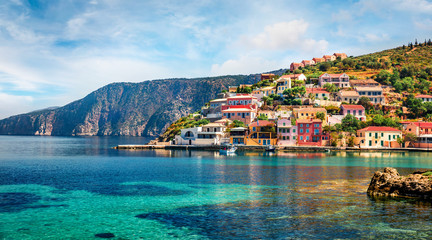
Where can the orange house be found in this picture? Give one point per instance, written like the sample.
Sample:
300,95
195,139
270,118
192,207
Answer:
261,132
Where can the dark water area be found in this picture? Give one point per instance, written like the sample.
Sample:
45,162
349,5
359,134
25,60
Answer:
79,187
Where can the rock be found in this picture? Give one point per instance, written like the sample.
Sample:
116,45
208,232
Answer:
104,235
390,184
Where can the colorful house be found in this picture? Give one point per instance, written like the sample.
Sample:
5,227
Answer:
341,55
310,132
287,133
375,94
318,93
418,128
210,134
363,83
424,98
357,111
238,135
294,66
283,83
307,113
348,96
300,76
267,76
308,62
261,132
341,80
267,91
243,113
329,58
242,99
318,60
378,137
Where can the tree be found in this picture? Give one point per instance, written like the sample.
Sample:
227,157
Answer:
365,102
262,117
237,123
324,66
320,115
350,123
330,87
332,109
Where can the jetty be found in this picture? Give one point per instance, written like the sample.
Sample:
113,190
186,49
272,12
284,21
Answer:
263,147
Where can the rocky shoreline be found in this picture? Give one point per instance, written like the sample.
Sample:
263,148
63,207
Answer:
390,183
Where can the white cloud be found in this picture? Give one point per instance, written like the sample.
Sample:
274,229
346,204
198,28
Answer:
12,104
370,37
243,65
285,36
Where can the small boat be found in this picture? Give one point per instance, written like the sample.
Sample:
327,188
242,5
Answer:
270,148
227,149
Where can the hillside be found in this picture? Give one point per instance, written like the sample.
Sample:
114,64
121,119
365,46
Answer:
124,109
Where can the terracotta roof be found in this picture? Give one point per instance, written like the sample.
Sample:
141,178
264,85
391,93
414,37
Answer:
261,123
316,90
423,96
368,88
379,129
423,124
352,106
294,76
349,93
308,120
363,81
311,110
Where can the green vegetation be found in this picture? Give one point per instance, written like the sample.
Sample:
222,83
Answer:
262,117
428,173
192,120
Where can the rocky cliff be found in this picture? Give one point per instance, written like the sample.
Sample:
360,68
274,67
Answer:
124,109
390,184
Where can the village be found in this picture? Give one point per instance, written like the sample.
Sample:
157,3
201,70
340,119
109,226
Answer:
293,110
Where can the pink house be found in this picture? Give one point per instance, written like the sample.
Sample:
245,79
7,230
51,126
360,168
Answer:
357,111
340,80
310,132
242,99
287,133
243,113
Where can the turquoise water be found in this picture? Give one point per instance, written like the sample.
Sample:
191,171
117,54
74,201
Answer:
75,188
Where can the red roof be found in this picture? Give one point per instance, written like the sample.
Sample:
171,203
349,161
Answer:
261,123
423,124
357,107
316,90
380,129
423,96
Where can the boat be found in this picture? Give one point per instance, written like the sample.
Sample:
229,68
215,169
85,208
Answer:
270,148
227,149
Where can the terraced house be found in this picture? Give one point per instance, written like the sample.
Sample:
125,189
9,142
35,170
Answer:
261,132
375,94
378,137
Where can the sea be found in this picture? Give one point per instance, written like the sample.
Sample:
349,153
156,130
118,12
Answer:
82,188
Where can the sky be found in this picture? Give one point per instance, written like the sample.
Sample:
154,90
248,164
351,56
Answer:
53,52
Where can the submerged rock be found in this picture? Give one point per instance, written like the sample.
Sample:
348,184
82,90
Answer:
104,235
390,184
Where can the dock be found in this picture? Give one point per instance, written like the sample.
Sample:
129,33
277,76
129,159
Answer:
262,148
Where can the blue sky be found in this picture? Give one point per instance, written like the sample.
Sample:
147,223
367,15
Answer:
53,52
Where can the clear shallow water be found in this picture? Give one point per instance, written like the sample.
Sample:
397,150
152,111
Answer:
74,188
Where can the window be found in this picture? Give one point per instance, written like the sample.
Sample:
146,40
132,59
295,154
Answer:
307,138
307,130
254,129
316,131
294,137
307,125
301,125
301,130
370,134
238,114
301,137
288,138
294,130
370,142
283,124
349,111
259,141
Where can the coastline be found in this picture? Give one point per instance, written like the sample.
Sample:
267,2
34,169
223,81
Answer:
262,148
